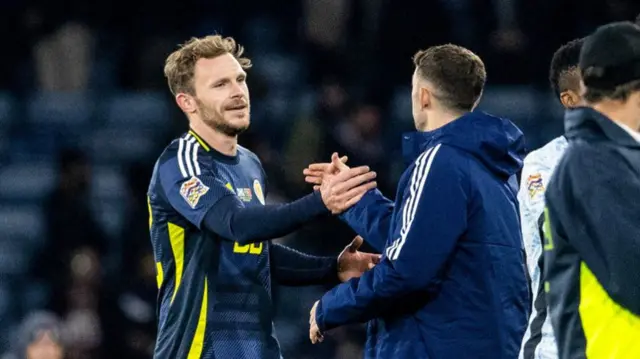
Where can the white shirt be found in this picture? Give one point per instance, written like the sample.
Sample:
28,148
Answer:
539,165
632,133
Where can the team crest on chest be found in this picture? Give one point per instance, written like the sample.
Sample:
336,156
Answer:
192,190
535,185
257,188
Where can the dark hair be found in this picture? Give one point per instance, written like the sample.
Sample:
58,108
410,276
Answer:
456,72
564,63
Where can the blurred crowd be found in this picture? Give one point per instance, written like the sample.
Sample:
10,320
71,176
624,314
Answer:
84,113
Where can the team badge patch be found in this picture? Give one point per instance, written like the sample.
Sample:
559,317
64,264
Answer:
257,188
192,190
535,185
244,194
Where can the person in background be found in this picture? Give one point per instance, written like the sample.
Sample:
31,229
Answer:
40,337
592,220
564,76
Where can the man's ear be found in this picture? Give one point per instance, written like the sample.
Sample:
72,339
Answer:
186,102
570,99
425,98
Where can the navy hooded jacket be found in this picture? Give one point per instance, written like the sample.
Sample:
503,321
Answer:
452,282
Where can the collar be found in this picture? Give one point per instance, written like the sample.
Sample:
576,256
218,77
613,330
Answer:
585,122
219,156
632,133
414,143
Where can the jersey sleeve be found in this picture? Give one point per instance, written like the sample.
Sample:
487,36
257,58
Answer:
189,190
438,202
371,218
535,178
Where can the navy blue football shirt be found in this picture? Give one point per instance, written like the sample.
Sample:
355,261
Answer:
209,230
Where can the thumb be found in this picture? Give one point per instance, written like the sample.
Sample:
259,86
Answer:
337,162
355,244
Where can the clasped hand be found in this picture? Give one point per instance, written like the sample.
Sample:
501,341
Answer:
340,186
351,264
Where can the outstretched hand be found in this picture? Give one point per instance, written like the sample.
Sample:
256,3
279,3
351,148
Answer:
353,263
340,186
317,171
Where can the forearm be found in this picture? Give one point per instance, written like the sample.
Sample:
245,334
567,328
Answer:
231,220
371,218
376,293
293,268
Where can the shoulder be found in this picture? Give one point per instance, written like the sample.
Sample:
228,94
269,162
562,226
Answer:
441,161
547,154
446,158
249,154
540,165
184,157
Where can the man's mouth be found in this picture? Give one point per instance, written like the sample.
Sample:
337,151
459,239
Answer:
237,107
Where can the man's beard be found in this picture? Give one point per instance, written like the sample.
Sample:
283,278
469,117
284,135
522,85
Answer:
216,121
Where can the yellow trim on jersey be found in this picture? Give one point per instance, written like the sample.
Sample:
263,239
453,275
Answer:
198,338
200,141
228,185
546,231
150,214
159,274
176,238
611,331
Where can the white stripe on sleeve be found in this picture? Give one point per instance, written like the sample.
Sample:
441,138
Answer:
187,156
180,157
196,165
414,197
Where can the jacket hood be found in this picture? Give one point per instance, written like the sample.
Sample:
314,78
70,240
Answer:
494,141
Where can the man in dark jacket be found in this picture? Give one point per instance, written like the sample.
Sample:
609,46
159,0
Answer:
592,248
452,281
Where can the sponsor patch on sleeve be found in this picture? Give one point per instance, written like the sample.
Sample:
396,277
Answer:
535,185
192,190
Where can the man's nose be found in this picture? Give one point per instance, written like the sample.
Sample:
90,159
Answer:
236,90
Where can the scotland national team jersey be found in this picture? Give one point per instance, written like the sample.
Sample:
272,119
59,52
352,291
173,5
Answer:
539,165
214,296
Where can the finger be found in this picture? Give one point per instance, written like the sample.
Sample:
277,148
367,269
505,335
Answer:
313,180
355,192
337,163
351,173
355,244
321,167
361,191
314,173
354,182
344,159
373,258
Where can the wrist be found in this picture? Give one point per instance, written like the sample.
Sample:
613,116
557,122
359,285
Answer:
318,203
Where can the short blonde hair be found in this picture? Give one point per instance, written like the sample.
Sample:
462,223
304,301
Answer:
179,67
